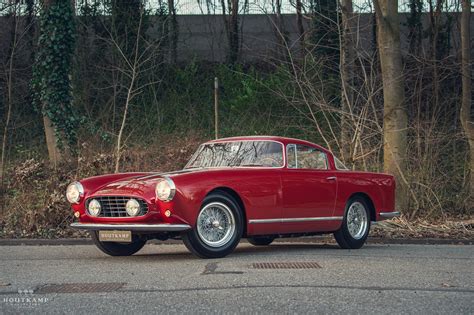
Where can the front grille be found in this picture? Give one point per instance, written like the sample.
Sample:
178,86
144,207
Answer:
114,206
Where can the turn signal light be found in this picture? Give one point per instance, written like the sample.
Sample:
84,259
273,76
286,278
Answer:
168,213
77,214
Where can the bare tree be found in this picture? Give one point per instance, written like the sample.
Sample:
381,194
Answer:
347,52
466,121
9,81
134,67
395,112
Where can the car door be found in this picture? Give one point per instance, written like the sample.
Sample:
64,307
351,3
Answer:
309,189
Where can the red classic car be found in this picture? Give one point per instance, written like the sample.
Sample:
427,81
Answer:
258,188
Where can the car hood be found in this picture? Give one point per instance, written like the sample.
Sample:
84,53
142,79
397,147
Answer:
137,184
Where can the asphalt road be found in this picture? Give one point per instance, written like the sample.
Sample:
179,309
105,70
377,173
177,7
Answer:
378,279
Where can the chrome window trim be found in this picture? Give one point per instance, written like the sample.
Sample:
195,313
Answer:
283,220
251,167
288,146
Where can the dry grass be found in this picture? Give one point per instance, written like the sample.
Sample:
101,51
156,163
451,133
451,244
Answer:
452,228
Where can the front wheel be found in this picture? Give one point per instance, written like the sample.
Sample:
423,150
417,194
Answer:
355,225
117,249
219,227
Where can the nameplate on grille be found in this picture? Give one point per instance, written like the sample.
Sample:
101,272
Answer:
115,236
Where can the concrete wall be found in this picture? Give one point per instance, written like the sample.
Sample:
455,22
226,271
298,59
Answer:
203,36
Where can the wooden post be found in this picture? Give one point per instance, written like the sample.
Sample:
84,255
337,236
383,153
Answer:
216,107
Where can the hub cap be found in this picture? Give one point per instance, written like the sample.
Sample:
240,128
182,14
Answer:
357,221
215,224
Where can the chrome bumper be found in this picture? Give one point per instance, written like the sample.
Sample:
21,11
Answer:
132,227
389,215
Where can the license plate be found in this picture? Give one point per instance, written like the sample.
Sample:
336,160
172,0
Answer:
115,236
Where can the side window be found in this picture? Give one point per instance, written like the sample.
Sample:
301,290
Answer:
301,156
340,165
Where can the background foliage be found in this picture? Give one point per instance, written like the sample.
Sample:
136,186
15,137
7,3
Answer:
297,95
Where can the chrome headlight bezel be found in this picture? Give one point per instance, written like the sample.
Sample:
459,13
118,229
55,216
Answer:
165,189
92,203
74,192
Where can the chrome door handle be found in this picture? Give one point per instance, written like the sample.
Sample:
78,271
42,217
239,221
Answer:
331,178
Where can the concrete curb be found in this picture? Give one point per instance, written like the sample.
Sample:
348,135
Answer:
319,240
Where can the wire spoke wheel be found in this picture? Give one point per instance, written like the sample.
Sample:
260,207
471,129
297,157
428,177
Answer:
357,220
216,224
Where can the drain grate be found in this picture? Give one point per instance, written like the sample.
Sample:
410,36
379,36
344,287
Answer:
80,287
287,265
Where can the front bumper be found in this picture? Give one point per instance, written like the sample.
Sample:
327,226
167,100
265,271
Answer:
389,215
132,227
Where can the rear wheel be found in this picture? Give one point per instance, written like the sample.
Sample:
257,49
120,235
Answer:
260,240
219,227
355,226
117,249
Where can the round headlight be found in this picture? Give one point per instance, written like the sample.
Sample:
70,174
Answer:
94,208
165,189
132,207
74,192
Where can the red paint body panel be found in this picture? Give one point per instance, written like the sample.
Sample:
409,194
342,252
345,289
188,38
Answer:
266,193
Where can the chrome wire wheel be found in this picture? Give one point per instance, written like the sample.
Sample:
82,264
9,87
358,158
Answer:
215,224
357,220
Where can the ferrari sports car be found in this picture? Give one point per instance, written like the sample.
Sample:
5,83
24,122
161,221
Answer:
258,188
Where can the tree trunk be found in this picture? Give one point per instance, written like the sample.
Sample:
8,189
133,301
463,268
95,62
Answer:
347,78
466,121
299,24
234,44
395,112
51,136
173,31
9,94
435,17
51,141
280,34
230,15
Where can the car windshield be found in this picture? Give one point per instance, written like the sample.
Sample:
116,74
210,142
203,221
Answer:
238,153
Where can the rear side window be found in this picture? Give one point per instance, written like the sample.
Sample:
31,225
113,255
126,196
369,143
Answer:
306,157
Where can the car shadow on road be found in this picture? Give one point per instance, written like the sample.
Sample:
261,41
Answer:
242,251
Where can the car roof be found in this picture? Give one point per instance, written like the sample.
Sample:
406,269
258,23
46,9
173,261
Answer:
283,140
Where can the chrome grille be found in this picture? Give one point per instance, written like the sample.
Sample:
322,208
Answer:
114,206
